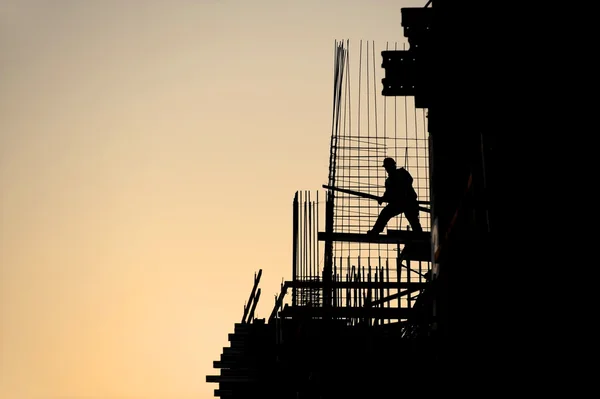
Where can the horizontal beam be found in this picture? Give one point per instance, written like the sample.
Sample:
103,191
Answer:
347,312
219,364
232,379
237,343
244,328
358,284
241,358
234,351
393,237
237,337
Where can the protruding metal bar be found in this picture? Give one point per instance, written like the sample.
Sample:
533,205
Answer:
387,271
252,294
305,235
309,231
251,314
329,209
295,246
381,276
279,301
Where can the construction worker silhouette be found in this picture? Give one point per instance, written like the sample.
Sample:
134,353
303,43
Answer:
400,196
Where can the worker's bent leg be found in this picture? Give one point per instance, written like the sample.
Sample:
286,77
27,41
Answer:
384,217
412,215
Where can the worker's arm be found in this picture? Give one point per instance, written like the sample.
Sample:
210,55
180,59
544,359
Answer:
386,194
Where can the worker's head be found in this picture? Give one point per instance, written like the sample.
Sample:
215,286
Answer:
389,164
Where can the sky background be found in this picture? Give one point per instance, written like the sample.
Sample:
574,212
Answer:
149,155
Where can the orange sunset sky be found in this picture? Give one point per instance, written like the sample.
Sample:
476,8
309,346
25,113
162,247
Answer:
149,155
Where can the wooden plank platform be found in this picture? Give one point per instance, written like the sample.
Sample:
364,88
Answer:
359,284
393,237
347,312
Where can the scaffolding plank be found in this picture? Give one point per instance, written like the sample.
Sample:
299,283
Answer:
243,328
393,237
234,351
238,337
347,312
359,284
229,379
219,364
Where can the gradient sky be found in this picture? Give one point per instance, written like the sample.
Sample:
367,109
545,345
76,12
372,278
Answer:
149,154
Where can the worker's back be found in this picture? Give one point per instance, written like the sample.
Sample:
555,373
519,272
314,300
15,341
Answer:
399,187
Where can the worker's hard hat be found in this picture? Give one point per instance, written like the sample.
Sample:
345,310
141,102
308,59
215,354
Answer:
388,162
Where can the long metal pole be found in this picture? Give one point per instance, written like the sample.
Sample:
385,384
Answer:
295,246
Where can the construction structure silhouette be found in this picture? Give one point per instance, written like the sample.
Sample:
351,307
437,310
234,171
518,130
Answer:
376,315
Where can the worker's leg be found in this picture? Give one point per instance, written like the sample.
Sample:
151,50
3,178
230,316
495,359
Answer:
384,217
412,215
